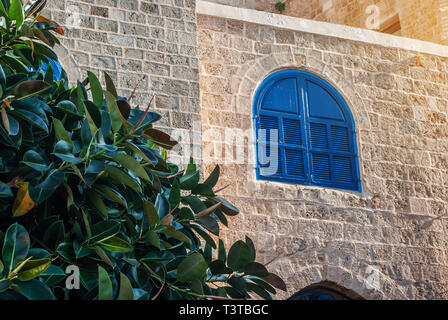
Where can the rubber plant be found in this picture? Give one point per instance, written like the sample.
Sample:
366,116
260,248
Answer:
85,185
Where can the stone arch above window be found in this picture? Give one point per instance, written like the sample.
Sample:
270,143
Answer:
305,132
326,290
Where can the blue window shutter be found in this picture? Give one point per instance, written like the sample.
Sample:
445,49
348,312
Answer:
316,143
319,135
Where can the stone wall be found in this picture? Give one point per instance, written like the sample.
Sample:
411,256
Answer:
264,5
420,19
309,234
150,43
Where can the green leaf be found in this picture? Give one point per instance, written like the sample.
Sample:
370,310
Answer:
110,86
213,177
64,151
104,230
29,88
208,210
174,198
111,194
263,284
35,290
5,190
34,160
97,202
275,281
152,238
209,240
209,223
189,181
191,268
116,244
69,108
222,255
251,246
5,285
218,267
105,290
114,111
120,177
33,268
53,179
94,113
15,246
97,90
61,133
159,256
176,234
251,287
203,190
81,251
3,9
162,206
53,275
256,269
239,255
126,292
160,138
195,203
104,256
55,234
151,215
31,118
132,165
227,207
16,12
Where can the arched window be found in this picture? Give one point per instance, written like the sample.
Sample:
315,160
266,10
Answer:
305,132
326,290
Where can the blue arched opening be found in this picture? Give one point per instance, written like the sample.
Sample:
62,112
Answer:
326,290
305,132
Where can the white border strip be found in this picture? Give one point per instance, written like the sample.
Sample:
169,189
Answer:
316,27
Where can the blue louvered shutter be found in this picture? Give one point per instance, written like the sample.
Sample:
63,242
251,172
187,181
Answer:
279,109
331,146
316,142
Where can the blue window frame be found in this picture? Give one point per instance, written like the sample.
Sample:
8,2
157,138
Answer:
305,133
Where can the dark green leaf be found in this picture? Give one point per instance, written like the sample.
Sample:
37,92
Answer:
16,12
15,246
33,268
192,267
189,181
213,177
35,290
29,88
256,269
105,291
126,292
104,230
114,111
275,281
34,160
5,190
239,255
97,91
258,290
110,86
218,267
151,215
64,151
116,244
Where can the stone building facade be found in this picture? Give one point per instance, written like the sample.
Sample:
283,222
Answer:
419,19
205,60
